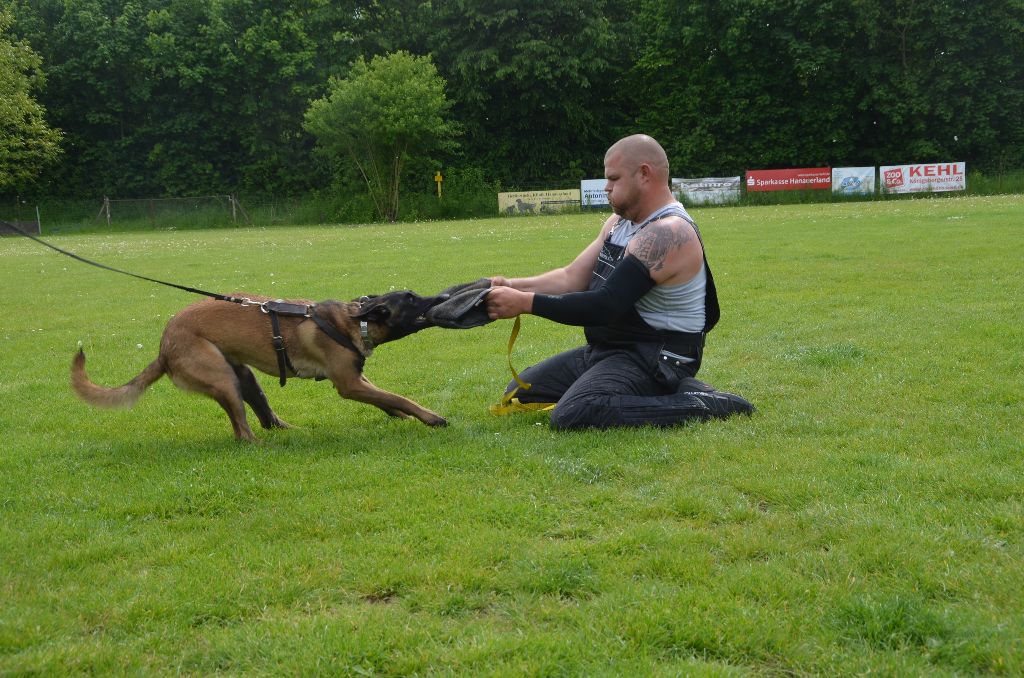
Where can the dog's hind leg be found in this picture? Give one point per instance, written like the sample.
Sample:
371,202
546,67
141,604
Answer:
253,394
232,404
204,369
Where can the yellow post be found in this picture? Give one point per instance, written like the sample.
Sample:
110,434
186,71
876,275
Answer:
438,178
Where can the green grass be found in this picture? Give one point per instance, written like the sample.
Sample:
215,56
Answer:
869,517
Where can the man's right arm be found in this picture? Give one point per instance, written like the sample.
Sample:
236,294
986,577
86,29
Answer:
572,278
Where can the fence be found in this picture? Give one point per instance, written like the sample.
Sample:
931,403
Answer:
229,211
219,211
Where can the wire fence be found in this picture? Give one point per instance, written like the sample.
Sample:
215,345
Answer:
59,215
199,212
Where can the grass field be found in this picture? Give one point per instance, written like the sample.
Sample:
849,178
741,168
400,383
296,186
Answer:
868,519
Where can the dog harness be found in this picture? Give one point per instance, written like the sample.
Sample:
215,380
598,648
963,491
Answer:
280,307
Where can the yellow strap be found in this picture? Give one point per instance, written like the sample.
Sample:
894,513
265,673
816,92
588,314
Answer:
512,342
509,403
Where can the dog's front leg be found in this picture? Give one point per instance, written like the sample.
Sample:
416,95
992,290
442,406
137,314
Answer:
395,405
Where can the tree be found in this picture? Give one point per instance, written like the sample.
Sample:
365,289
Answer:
232,80
774,83
195,96
96,91
536,83
946,80
27,143
185,97
385,112
738,84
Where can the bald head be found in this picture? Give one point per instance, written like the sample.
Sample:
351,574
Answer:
636,168
639,149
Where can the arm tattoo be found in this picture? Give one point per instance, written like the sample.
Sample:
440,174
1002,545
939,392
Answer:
656,241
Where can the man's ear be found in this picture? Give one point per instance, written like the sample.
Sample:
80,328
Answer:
376,312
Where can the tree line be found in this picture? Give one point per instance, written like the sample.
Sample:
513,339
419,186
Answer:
192,97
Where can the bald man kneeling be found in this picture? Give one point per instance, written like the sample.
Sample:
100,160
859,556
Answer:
645,296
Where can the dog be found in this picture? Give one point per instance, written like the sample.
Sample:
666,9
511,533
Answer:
210,346
525,207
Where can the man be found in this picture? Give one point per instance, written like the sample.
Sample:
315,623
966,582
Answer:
646,297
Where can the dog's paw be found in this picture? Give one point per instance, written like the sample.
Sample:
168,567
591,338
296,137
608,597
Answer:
436,420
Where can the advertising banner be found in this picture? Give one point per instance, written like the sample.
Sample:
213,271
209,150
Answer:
592,193
806,178
707,191
942,176
853,180
537,202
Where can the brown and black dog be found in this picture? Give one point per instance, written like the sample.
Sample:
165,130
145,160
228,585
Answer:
209,346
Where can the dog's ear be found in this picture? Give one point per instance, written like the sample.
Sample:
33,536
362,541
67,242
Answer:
373,311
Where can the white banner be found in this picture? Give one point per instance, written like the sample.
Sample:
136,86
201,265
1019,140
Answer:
707,191
853,180
592,193
940,176
536,202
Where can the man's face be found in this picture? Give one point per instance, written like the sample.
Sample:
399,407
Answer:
621,187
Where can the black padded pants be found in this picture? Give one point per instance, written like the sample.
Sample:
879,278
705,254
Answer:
601,387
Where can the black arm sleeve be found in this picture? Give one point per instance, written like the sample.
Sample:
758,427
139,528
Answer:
627,283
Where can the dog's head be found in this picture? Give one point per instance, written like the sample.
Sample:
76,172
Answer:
396,314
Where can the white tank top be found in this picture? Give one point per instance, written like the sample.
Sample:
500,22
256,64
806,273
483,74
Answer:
679,308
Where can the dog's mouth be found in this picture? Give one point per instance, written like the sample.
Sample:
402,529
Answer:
424,320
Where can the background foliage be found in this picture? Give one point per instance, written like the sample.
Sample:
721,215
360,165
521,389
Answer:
181,97
26,141
386,112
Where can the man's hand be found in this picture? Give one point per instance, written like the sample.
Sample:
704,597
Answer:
507,302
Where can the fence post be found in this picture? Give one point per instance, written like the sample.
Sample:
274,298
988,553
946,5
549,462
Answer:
105,209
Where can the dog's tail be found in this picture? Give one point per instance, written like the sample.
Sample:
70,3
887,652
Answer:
122,396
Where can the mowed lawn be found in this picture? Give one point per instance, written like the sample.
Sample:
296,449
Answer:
868,518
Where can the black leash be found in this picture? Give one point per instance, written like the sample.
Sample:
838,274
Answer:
222,297
271,308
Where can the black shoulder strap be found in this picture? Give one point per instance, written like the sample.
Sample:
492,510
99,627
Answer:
331,331
712,310
283,363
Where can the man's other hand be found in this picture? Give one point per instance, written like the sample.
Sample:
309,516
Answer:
506,302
